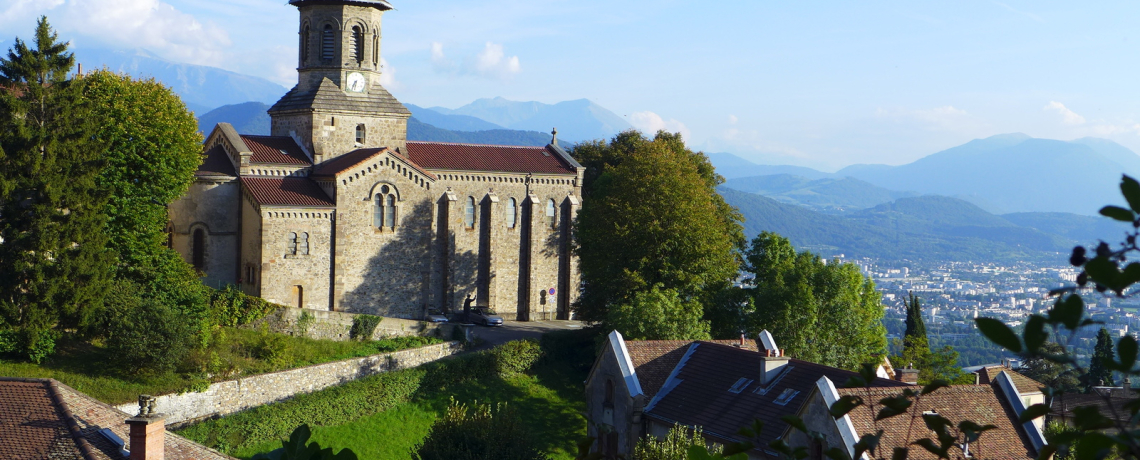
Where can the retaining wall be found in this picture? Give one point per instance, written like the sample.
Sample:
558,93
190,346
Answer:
335,325
236,395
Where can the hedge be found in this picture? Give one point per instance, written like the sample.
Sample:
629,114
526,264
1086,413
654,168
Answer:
359,398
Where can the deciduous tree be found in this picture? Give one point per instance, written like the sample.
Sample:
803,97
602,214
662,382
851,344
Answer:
827,313
658,314
651,216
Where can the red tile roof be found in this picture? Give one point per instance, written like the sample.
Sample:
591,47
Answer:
42,418
701,398
275,150
216,163
497,158
354,158
987,375
287,191
978,403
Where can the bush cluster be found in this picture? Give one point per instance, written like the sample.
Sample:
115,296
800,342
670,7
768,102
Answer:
363,326
356,399
478,432
516,357
231,307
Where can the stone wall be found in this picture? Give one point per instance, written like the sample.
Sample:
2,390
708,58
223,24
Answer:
210,205
231,396
335,325
288,277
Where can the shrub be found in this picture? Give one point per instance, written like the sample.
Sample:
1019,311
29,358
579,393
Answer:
479,432
675,446
363,326
306,320
275,349
231,307
516,357
402,343
38,343
9,341
145,336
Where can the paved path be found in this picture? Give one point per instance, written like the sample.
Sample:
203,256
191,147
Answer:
515,330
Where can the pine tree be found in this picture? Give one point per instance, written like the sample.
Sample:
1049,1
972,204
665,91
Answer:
1098,374
53,259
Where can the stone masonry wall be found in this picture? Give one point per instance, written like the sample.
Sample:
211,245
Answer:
335,325
231,396
210,205
281,271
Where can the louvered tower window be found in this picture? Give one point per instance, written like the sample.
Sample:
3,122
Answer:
328,43
358,43
305,44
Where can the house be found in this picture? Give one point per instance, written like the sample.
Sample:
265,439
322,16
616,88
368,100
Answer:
640,388
337,210
1109,401
998,403
42,418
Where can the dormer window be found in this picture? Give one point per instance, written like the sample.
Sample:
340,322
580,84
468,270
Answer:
786,396
740,385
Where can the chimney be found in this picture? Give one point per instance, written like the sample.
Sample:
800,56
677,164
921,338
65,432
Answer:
772,361
909,375
148,432
741,344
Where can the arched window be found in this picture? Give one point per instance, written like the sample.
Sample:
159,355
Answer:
376,49
512,213
360,132
305,44
304,245
358,43
328,43
469,213
291,244
551,214
198,249
384,208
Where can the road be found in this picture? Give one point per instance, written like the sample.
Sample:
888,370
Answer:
515,330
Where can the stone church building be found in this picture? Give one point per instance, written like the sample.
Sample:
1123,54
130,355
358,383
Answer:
337,210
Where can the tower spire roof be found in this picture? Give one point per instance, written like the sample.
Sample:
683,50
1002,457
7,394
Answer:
381,4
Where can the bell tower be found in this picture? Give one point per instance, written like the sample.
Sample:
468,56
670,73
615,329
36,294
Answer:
339,104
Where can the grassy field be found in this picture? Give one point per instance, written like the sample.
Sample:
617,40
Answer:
402,406
236,352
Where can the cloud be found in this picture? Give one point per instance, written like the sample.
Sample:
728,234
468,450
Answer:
150,24
649,123
388,75
944,118
732,119
491,62
1069,117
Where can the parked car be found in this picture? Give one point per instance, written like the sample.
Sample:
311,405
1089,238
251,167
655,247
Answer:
434,316
484,317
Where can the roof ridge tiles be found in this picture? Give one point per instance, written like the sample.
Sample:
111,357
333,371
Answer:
468,144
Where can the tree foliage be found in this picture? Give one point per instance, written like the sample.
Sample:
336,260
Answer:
675,445
651,216
658,314
932,365
1050,373
54,263
827,313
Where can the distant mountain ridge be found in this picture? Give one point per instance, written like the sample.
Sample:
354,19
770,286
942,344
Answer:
1006,173
202,88
577,120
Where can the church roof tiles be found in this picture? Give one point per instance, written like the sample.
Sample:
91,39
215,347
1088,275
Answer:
287,191
275,150
354,158
497,158
328,97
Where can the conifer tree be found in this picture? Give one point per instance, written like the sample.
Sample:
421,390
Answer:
1098,374
53,258
915,340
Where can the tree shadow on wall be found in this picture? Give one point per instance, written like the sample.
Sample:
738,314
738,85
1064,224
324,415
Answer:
406,274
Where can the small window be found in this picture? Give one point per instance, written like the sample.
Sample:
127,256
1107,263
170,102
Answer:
469,213
384,208
328,43
198,249
512,213
304,244
291,245
390,211
740,385
358,43
609,401
376,50
360,134
786,396
551,214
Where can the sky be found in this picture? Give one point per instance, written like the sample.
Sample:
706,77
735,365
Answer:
819,83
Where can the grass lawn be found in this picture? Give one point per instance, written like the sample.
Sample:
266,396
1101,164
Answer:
372,418
235,352
550,403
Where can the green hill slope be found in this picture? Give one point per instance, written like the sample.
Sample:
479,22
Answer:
824,194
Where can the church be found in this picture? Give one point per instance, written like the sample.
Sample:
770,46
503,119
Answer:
337,210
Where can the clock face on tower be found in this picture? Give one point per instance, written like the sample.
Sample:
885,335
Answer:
355,82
